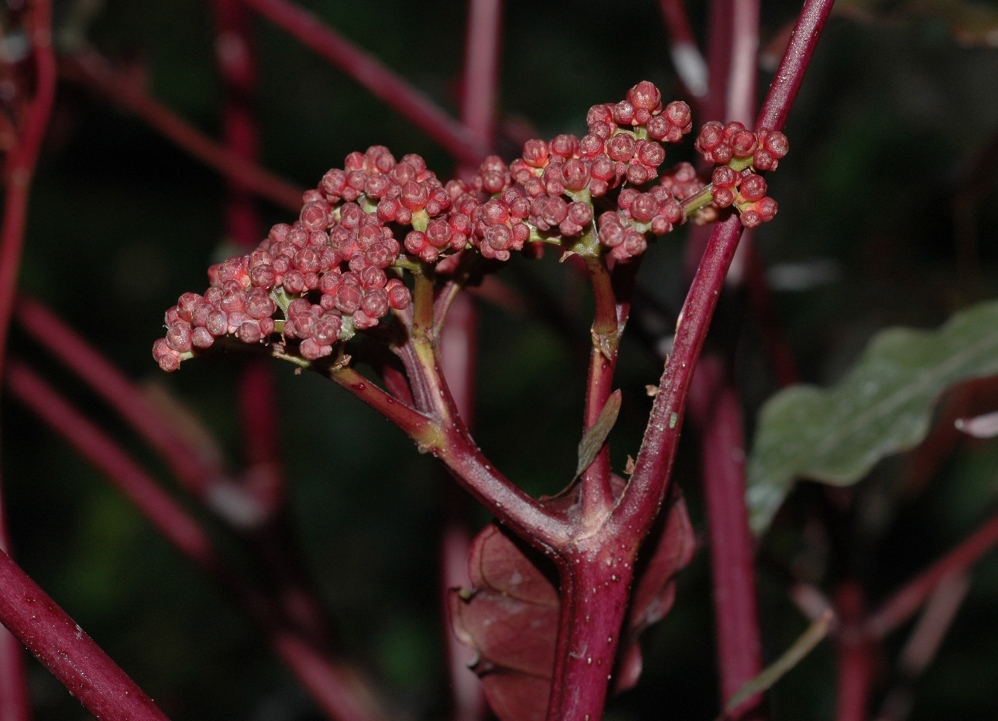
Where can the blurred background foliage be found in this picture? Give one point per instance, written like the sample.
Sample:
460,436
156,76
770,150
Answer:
880,223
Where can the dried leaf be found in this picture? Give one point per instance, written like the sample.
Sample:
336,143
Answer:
804,644
510,618
594,438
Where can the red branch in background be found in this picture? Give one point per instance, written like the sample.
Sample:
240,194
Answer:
686,58
396,93
716,410
112,385
855,655
338,690
92,70
19,168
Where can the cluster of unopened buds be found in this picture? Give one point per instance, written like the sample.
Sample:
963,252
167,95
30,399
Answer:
736,152
339,267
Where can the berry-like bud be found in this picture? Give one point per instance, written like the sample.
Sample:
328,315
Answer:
535,153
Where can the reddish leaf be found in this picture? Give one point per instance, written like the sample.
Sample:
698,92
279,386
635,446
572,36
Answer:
510,618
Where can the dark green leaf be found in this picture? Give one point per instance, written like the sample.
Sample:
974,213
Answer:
881,407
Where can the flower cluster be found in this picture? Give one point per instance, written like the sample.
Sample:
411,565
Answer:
736,151
339,267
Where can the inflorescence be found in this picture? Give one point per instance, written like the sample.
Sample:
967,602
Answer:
339,267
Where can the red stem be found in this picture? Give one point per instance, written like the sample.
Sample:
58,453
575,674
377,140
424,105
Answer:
69,653
743,67
481,69
793,66
14,702
597,498
91,69
594,592
905,602
686,58
716,409
383,83
855,655
644,494
612,293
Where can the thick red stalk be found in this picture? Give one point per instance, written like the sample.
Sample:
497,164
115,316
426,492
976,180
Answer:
19,169
855,655
69,653
594,591
905,602
382,82
716,409
606,557
92,70
644,494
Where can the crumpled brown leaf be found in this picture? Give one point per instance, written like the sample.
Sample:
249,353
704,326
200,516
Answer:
510,617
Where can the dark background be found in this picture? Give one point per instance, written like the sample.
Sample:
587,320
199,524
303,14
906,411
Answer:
122,222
